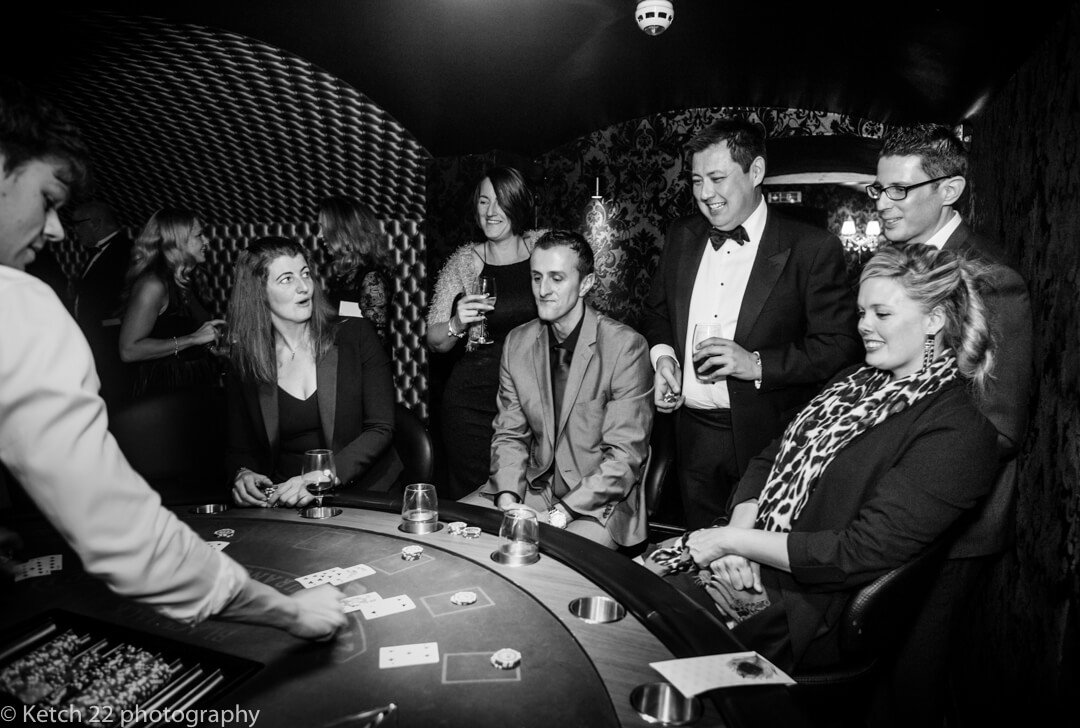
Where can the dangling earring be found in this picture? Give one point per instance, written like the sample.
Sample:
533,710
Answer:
928,351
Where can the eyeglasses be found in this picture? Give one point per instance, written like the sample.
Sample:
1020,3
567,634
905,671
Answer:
898,192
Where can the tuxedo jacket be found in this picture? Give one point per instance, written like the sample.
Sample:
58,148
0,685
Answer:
603,429
355,393
884,499
98,291
798,313
1006,402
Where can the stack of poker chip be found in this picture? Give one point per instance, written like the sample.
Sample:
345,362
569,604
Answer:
471,532
463,598
455,528
412,553
506,659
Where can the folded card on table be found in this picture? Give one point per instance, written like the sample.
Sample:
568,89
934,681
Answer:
693,675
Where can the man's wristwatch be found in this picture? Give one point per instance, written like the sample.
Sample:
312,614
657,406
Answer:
557,517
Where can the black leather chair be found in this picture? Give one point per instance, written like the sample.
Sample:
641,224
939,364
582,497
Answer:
414,446
873,624
660,469
176,440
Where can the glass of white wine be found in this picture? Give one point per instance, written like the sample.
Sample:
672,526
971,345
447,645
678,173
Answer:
419,509
485,286
321,477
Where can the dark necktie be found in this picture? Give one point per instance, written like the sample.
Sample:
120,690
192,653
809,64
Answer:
718,236
559,374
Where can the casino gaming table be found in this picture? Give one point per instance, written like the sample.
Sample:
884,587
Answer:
572,672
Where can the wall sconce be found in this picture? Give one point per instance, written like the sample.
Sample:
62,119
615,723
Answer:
654,16
873,229
848,228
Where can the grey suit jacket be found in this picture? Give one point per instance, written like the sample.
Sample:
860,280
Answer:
1006,402
604,426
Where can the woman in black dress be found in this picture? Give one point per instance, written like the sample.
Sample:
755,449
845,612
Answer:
360,260
167,330
503,206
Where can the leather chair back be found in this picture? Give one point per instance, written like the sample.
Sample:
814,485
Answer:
414,446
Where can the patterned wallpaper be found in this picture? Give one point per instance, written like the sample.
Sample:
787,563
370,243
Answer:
643,185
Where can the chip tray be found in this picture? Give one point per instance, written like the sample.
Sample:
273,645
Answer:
98,673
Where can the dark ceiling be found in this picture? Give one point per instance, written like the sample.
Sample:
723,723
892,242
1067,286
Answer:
525,76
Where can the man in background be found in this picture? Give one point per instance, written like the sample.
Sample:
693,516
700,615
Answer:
99,292
921,176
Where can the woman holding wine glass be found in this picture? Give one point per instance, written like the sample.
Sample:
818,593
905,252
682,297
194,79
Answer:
503,207
302,380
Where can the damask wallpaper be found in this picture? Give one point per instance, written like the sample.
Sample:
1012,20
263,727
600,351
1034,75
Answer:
643,186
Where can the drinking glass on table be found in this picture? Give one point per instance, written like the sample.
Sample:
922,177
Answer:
702,332
321,476
485,286
420,509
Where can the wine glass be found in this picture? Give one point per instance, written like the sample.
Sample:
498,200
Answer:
701,333
485,285
322,478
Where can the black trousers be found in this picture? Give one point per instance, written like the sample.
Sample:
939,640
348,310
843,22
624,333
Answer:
705,464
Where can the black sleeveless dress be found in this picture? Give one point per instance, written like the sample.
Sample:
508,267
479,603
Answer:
470,398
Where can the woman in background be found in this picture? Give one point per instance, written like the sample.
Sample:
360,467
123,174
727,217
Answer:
503,206
302,379
167,330
360,268
876,469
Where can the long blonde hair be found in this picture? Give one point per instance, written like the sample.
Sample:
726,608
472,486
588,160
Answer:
162,248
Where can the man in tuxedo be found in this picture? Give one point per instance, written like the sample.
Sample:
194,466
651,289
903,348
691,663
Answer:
575,407
99,290
778,289
920,179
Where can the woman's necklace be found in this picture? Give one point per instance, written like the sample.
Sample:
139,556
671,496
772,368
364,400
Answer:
292,350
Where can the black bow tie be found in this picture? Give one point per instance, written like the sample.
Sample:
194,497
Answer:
718,236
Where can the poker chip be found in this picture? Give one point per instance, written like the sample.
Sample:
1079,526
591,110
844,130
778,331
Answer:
412,553
506,659
462,598
454,528
471,532
225,533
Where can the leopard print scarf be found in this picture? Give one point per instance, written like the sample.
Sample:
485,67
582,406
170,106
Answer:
834,418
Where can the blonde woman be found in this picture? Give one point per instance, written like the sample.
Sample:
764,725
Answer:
166,327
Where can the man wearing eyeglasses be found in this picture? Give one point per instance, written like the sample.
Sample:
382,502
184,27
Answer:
920,179
99,290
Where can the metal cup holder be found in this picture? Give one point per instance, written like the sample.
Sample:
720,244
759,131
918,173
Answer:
597,610
662,704
210,509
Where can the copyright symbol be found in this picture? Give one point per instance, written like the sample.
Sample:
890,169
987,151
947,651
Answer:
8,713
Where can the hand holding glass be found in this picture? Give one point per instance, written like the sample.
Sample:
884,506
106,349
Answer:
485,286
703,332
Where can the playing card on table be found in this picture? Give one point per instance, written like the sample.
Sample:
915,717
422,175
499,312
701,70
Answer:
351,604
383,607
39,566
318,577
352,572
217,545
694,675
423,653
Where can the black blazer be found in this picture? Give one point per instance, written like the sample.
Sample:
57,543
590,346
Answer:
887,496
1006,403
98,291
798,312
356,408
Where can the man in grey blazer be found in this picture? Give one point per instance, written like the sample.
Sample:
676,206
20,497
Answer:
575,407
920,178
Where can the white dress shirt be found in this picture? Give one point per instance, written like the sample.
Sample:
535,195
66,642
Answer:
719,287
939,238
54,438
